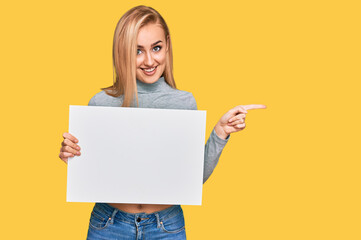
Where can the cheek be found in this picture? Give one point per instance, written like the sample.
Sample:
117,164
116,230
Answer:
161,58
139,61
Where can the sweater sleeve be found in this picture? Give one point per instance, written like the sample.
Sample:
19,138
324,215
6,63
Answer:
213,148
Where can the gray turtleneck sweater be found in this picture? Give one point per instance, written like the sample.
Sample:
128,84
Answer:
161,95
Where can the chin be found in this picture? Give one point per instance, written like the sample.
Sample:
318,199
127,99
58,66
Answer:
148,79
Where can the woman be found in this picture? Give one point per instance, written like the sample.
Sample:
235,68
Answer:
142,58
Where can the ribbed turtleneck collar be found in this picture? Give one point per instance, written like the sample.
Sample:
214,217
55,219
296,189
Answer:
158,86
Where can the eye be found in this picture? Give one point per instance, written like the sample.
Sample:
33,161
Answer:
157,48
139,51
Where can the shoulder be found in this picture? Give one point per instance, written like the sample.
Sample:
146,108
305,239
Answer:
185,99
191,101
103,99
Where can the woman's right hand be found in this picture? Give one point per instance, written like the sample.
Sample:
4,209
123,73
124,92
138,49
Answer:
69,148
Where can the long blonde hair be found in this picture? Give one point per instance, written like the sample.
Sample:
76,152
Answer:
125,49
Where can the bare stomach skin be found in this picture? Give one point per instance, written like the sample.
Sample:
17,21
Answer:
138,208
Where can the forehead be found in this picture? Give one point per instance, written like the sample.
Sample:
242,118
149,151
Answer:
149,34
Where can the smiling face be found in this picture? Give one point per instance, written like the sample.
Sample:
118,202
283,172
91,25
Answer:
151,53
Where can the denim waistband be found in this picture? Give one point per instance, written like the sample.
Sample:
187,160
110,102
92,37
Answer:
144,218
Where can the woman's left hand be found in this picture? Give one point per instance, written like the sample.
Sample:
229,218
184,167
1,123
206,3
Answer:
233,120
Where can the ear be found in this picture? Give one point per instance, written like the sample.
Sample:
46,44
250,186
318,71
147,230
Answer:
167,43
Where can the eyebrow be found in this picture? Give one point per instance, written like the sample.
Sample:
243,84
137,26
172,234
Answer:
139,46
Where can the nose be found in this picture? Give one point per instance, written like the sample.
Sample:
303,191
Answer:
148,61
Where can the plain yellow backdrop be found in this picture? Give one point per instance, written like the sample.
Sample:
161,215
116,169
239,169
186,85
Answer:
292,173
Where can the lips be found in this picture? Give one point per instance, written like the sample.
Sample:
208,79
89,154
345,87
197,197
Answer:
149,71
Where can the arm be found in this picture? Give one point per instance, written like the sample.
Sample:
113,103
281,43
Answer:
212,152
213,147
231,122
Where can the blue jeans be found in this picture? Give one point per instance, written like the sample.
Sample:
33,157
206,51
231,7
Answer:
107,222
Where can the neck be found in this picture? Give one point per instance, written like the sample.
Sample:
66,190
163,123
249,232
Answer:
158,86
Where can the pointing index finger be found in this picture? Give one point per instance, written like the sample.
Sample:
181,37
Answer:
254,106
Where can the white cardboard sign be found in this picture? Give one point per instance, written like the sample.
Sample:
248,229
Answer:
137,155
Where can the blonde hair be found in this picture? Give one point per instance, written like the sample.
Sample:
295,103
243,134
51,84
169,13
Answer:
125,49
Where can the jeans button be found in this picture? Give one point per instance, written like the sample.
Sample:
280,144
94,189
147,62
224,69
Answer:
138,219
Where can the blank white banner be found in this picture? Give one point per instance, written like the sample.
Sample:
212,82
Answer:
137,155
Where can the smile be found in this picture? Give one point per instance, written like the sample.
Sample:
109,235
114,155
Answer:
149,71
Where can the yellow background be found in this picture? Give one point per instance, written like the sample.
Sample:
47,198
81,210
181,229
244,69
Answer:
293,173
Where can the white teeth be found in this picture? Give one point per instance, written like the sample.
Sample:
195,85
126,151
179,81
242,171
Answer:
149,70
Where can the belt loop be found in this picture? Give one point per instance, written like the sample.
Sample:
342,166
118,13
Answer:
113,215
158,220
